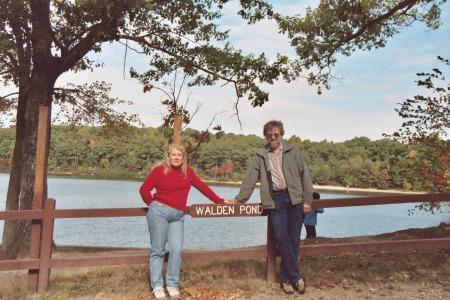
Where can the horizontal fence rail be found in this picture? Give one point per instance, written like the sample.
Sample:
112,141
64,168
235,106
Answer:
210,210
47,216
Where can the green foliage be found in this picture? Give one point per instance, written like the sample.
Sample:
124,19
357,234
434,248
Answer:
427,117
339,28
7,139
186,36
359,162
91,104
180,36
426,128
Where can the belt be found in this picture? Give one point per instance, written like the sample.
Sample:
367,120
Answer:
283,191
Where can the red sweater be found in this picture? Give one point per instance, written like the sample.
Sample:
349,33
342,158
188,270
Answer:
172,189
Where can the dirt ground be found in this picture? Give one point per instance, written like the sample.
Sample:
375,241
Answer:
400,291
434,290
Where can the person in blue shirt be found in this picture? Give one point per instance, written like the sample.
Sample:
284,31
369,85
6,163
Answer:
311,219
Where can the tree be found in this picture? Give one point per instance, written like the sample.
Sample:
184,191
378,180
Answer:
426,128
42,39
227,168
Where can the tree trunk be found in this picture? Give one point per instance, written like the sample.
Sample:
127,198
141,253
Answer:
38,91
16,234
13,229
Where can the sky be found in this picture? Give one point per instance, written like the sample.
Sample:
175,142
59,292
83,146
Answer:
362,104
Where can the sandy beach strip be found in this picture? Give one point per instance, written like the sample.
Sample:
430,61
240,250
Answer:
323,188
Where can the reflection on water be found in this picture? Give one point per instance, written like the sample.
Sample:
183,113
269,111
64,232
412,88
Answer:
204,233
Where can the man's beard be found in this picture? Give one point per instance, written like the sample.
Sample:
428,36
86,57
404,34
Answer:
274,145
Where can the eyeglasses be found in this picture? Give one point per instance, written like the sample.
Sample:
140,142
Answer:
270,135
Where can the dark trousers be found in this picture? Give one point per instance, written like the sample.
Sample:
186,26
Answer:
310,231
287,222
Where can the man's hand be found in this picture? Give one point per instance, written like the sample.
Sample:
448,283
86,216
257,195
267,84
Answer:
306,208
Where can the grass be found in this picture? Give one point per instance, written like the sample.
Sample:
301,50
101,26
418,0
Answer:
239,279
13,289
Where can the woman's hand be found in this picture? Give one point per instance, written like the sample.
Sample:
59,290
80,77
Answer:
229,201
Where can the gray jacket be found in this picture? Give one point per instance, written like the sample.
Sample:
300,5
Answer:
295,171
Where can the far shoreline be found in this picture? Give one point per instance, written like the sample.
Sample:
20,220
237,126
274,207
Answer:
333,188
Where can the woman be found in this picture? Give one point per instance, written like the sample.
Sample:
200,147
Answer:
172,180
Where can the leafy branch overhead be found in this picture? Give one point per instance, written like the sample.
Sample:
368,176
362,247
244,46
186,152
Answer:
342,27
334,27
185,35
90,104
427,116
426,126
172,90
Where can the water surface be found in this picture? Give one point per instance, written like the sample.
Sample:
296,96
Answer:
204,233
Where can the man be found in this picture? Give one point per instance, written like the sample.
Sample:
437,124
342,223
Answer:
286,194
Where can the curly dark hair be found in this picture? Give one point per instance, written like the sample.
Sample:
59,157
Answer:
271,124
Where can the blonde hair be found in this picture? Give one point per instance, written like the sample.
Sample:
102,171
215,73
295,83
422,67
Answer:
166,162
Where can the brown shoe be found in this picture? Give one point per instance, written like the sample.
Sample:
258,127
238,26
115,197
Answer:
287,287
300,286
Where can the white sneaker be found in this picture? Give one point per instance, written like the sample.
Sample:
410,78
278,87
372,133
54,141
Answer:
173,292
159,294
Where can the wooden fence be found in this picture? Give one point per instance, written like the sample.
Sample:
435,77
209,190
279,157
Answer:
43,216
39,267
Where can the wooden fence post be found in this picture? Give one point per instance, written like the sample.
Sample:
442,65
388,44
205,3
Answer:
271,260
39,189
177,129
46,244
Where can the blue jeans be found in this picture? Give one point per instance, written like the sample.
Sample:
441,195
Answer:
287,222
166,225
